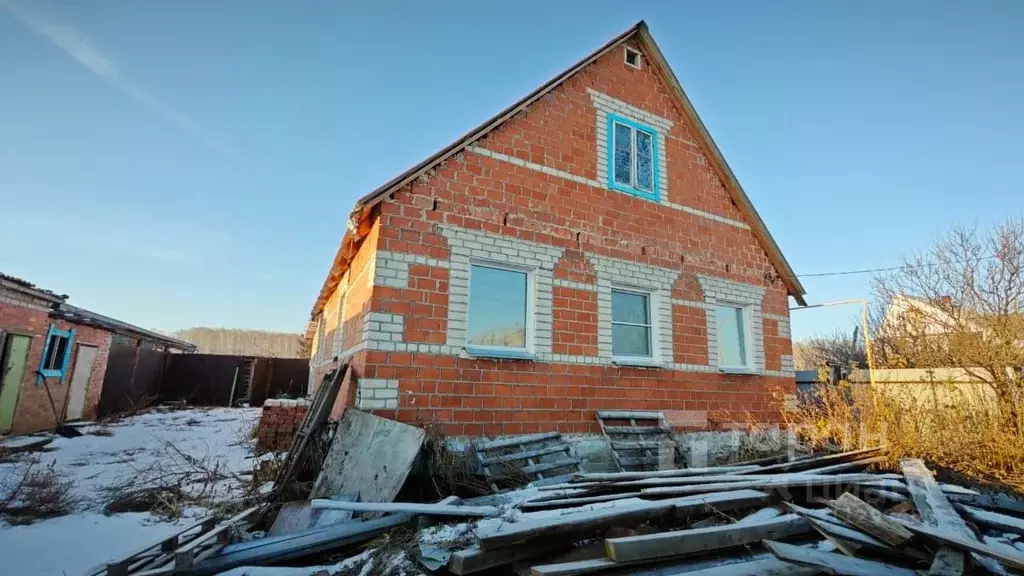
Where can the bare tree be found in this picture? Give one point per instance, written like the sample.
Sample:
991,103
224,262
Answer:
960,304
841,348
245,342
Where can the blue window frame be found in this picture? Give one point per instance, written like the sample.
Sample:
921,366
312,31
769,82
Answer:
632,158
56,354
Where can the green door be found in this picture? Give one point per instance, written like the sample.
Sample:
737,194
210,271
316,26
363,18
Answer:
14,356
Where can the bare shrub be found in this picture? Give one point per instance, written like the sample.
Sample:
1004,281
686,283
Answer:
174,481
37,493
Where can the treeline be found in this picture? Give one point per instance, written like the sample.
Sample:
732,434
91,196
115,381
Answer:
244,342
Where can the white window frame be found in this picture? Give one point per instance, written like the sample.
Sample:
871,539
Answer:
652,305
746,310
511,352
639,57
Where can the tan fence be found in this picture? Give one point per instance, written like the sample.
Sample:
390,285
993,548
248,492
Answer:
938,386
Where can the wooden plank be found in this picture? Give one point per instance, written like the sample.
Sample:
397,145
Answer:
121,566
815,461
370,456
990,501
185,555
936,511
475,559
489,460
517,440
701,540
993,520
640,475
709,478
625,415
842,466
292,546
649,430
409,508
790,481
568,502
835,564
1000,553
866,517
592,522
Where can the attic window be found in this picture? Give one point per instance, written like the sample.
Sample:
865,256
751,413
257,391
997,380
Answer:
632,58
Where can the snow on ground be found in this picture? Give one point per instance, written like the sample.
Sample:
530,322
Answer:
71,544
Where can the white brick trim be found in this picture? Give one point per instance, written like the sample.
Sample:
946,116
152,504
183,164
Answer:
467,246
606,105
783,322
720,289
603,184
612,272
376,393
560,283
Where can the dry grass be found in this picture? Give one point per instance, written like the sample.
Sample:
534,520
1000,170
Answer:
950,426
449,471
36,493
175,481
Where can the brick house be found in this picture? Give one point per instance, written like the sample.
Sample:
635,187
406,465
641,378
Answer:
587,248
53,356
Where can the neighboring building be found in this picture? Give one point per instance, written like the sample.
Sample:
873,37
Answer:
54,356
915,315
587,248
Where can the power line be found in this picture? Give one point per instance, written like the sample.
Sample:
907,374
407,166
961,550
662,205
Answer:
891,269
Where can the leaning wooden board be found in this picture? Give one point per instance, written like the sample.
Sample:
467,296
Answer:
370,456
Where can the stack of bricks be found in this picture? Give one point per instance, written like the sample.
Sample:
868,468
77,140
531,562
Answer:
279,423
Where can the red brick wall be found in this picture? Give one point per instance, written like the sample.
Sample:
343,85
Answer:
482,193
279,421
34,411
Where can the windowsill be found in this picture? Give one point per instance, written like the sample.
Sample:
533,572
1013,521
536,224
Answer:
652,196
51,373
638,362
737,370
501,354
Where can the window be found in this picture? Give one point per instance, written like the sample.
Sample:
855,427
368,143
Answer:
632,158
498,309
734,341
56,353
632,336
632,58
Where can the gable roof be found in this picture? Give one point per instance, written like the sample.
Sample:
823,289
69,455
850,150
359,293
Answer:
358,220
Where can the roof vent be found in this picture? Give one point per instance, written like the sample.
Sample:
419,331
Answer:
632,58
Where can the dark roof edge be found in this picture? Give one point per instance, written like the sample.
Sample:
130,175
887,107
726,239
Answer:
77,315
490,124
30,289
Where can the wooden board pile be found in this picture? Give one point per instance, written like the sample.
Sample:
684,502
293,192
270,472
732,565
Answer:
820,515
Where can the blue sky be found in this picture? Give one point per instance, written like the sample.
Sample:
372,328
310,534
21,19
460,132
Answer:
192,163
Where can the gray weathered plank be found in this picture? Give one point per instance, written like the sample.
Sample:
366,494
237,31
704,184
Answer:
626,415
475,559
964,543
936,511
994,520
489,460
700,540
517,440
832,469
370,456
409,508
591,522
567,502
836,564
866,517
815,461
787,481
623,476
633,430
